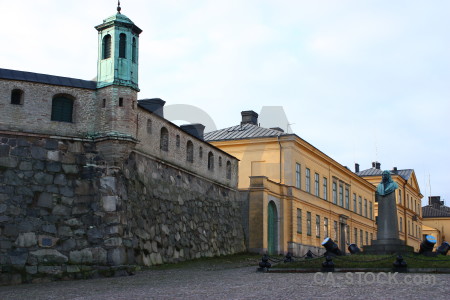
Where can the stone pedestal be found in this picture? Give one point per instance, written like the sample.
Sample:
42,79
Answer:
388,241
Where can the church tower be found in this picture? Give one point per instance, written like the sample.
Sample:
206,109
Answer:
117,77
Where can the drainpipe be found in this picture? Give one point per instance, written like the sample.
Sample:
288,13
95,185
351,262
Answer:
279,143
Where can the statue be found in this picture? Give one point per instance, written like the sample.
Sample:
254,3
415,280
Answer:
387,185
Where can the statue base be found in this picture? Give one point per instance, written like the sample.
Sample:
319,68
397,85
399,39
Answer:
388,246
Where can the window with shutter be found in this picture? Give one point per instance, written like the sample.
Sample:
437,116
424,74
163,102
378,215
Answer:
122,45
62,109
106,46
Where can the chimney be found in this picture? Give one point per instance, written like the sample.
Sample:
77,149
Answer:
356,168
249,117
376,165
154,105
196,129
395,171
434,200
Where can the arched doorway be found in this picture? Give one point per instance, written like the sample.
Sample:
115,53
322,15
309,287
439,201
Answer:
272,229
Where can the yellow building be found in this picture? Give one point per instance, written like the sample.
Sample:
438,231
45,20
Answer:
296,194
408,198
436,219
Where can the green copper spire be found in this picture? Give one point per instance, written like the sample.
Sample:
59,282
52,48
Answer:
118,44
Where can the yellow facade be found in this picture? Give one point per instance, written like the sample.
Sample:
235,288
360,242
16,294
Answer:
303,186
409,207
441,225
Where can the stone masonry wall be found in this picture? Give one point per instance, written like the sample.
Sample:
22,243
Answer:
66,213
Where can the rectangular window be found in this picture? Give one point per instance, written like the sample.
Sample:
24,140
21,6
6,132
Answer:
325,188
316,184
371,238
354,202
365,207
341,195
299,220
335,231
367,238
347,200
370,210
401,225
308,223
334,193
399,196
317,226
297,176
325,227
355,237
347,234
308,181
409,227
360,205
361,242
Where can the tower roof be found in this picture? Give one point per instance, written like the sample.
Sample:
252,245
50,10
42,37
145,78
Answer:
118,19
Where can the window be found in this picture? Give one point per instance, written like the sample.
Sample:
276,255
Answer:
355,238
200,152
318,226
190,151
308,223
149,126
62,108
122,45
361,242
371,238
335,231
299,220
360,204
298,183
210,161
120,102
365,207
409,227
367,238
177,141
347,200
325,188
399,196
341,195
334,193
134,51
316,184
104,103
347,234
17,97
228,170
354,202
164,139
106,47
220,161
308,180
370,210
401,225
325,227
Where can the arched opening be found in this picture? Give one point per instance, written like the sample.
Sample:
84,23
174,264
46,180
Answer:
149,126
190,152
228,170
106,47
272,228
122,45
210,161
134,51
62,108
17,97
164,140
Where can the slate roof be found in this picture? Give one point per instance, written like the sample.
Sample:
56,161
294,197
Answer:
435,211
47,79
239,132
405,174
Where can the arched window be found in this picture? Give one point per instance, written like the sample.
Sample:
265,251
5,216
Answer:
106,47
122,45
220,161
210,161
164,140
200,152
228,170
17,97
149,126
177,141
134,52
62,108
190,152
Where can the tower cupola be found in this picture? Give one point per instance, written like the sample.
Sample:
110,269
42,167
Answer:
118,44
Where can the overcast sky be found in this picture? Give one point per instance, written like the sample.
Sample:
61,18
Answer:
359,80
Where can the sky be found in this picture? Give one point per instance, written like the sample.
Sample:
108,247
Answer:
362,81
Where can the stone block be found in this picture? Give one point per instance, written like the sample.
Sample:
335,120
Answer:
53,166
72,269
18,257
20,151
53,155
61,210
46,241
4,150
117,256
67,201
25,240
69,245
73,222
109,203
65,231
49,256
66,191
49,228
50,270
108,185
8,162
10,230
25,166
45,200
70,169
43,178
3,206
113,242
60,179
38,153
51,144
31,270
88,256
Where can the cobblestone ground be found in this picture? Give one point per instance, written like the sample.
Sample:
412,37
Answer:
235,283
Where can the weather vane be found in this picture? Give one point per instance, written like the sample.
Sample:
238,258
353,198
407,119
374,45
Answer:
118,7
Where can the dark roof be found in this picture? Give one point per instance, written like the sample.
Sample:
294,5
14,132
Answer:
239,132
48,79
405,174
435,211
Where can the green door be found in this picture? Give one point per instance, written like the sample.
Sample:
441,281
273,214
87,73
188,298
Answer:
272,229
